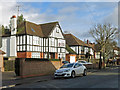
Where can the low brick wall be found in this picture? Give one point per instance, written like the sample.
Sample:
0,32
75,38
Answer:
28,68
1,63
92,66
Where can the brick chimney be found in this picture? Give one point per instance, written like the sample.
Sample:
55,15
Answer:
87,41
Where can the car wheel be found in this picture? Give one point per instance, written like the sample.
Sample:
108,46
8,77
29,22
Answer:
85,73
73,74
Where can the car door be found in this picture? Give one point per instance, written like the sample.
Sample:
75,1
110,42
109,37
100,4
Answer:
81,69
76,68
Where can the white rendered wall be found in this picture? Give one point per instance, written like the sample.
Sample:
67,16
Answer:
13,50
57,33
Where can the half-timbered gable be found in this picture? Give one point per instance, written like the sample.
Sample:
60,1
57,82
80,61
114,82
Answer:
77,45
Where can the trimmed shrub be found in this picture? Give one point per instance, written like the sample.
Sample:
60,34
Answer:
54,59
9,65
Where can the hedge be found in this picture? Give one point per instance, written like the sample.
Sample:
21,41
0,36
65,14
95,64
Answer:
54,59
9,65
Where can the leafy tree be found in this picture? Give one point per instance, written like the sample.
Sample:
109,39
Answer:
104,35
20,20
3,30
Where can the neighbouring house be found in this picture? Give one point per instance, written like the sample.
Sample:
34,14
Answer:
95,49
78,46
30,40
1,61
70,55
96,52
116,53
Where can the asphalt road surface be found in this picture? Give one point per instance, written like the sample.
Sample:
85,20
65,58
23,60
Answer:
101,79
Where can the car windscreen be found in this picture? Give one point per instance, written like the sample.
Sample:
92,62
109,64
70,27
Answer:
67,65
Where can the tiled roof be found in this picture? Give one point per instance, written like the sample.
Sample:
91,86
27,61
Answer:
117,48
92,45
72,40
42,30
47,28
70,50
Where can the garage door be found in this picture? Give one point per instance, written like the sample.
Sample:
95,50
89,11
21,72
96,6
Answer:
72,59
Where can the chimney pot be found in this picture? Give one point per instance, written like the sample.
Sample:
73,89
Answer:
13,16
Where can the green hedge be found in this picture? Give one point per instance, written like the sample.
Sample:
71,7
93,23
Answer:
54,59
9,65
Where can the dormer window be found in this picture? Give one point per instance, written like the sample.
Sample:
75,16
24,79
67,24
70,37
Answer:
57,29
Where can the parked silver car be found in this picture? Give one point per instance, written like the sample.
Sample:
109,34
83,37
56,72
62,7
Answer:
71,70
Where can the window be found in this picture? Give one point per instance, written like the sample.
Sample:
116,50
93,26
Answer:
24,48
76,65
32,29
57,29
35,40
30,48
17,48
24,39
35,55
18,40
82,49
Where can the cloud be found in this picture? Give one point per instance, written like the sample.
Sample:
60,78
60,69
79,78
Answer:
67,0
112,17
6,11
68,9
70,15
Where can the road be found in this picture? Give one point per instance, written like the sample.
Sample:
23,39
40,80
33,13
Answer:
100,79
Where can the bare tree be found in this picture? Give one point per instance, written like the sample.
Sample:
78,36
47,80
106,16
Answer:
104,35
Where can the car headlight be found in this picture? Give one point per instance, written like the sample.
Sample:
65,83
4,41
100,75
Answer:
67,70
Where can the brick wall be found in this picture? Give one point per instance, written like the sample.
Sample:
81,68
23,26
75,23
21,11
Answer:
1,63
37,68
41,55
56,55
24,54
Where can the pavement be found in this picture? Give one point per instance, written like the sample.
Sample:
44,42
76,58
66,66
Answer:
9,79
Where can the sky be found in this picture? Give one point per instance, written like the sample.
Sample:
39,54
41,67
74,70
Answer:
76,17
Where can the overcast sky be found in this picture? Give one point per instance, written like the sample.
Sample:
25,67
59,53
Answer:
74,17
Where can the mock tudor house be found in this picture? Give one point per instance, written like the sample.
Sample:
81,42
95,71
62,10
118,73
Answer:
96,51
34,40
115,53
78,46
